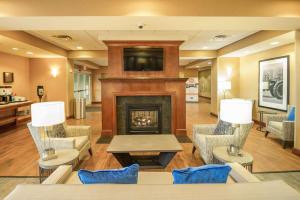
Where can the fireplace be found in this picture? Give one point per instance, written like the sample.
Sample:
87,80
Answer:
143,118
144,115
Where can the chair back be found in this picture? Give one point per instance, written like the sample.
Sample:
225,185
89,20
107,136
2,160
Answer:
243,134
35,134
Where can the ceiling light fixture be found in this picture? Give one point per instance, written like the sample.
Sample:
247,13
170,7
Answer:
15,48
274,43
219,38
79,47
29,52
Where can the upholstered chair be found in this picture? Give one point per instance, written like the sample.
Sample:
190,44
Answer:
204,139
77,137
279,126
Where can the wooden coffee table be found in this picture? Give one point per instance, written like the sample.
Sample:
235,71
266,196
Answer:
149,151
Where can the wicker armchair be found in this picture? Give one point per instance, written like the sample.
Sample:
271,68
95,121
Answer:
77,137
278,125
205,141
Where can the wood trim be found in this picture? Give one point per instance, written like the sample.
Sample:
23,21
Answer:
96,102
214,114
296,151
204,97
143,79
141,43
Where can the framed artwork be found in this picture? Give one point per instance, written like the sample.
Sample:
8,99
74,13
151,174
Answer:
8,77
274,83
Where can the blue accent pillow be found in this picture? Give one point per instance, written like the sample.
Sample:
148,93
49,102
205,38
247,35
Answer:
127,175
291,115
203,174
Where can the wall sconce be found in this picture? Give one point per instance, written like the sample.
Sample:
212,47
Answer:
229,71
224,86
54,72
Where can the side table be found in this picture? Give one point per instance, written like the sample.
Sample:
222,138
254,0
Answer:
64,157
244,158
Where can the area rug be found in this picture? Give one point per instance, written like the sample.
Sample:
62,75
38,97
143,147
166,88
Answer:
107,139
7,184
291,178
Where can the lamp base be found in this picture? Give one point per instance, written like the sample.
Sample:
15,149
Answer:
233,150
48,154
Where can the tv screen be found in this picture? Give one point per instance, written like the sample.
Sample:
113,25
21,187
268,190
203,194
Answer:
143,59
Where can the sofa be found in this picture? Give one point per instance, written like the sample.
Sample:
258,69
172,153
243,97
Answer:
63,184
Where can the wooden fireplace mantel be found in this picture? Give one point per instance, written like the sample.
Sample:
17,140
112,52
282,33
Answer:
143,83
143,79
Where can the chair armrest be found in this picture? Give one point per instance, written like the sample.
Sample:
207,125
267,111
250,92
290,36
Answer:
206,129
59,176
275,117
75,131
61,143
240,175
208,142
288,128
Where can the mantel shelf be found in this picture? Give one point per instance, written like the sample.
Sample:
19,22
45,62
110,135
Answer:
143,79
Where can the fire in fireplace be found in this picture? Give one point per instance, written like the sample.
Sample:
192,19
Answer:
143,118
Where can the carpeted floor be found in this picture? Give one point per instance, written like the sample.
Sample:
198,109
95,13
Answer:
291,178
7,184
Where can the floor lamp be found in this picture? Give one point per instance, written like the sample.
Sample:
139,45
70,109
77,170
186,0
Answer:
45,115
236,112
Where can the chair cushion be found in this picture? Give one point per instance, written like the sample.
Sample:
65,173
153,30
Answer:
224,128
203,174
127,175
291,115
276,125
58,131
80,141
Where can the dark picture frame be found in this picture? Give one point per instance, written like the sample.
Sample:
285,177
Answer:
8,77
274,83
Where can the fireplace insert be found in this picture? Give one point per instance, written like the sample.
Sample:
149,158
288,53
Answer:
143,118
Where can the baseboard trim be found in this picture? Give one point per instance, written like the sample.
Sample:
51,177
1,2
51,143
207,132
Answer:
296,151
96,102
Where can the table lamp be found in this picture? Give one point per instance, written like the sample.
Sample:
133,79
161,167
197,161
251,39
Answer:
45,115
236,112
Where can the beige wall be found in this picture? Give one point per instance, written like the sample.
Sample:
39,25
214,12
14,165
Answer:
214,87
297,90
20,67
56,88
249,73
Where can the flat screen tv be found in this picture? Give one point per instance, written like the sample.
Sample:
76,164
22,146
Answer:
143,59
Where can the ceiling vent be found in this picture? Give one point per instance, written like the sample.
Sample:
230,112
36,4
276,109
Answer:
220,38
63,37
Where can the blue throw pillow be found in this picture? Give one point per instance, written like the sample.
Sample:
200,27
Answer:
291,115
127,175
203,174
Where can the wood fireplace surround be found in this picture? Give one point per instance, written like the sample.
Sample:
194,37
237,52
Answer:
143,83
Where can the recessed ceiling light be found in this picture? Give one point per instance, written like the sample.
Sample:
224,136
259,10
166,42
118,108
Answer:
15,48
29,52
79,47
274,43
205,47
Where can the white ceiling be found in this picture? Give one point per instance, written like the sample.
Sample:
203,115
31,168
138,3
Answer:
92,40
284,39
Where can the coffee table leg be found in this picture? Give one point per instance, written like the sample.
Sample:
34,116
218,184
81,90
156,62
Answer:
124,159
165,157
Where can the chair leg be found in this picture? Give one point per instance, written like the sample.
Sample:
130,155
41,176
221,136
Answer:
267,133
284,144
90,151
194,149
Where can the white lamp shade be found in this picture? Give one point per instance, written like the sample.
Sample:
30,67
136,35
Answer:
236,111
47,113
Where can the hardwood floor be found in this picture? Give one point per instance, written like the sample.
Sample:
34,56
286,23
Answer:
18,154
